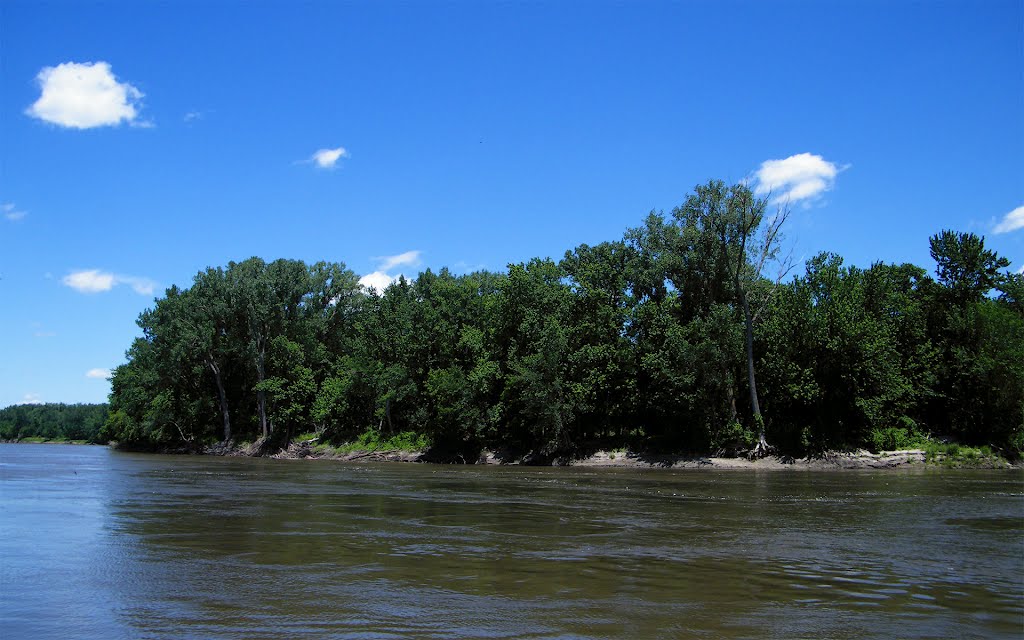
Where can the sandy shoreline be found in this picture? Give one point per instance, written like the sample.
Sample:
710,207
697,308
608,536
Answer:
618,459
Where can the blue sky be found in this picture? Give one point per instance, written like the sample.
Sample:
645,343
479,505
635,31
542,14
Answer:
142,142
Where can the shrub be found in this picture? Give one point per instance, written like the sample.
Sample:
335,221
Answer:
373,440
905,436
890,439
733,435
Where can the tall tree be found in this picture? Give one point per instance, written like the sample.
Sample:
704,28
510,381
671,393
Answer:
964,266
267,299
536,406
728,244
208,316
600,374
980,378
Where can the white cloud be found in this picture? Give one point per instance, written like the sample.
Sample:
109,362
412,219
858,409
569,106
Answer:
12,213
377,280
387,263
803,176
96,281
1011,221
193,115
98,374
328,158
91,281
141,286
31,398
83,96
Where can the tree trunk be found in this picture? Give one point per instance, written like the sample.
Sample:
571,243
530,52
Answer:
261,395
222,394
762,447
755,406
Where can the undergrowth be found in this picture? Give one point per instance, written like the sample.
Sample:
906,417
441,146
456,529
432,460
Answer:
373,440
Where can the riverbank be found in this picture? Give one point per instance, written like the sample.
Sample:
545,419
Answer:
628,459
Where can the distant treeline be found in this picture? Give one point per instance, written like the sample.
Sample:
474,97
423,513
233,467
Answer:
53,422
669,339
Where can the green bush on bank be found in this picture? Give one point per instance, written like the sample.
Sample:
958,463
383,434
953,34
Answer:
951,454
897,438
373,440
959,455
370,441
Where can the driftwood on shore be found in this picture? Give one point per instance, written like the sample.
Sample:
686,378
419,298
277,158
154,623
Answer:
305,451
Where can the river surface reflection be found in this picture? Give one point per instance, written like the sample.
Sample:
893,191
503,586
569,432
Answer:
102,544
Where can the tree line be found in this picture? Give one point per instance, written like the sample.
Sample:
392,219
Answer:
53,421
673,338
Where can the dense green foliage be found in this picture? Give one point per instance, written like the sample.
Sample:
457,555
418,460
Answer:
654,341
53,422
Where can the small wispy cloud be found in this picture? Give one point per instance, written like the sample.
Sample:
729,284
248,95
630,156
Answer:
466,267
141,286
328,158
85,95
98,374
1011,221
12,213
409,258
39,331
380,279
96,281
193,115
31,398
801,177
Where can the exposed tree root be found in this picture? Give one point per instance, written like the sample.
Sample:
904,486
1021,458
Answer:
762,450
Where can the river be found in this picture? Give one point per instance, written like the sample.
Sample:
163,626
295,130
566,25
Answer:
102,544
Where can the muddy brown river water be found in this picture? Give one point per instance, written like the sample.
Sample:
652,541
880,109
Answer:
102,544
